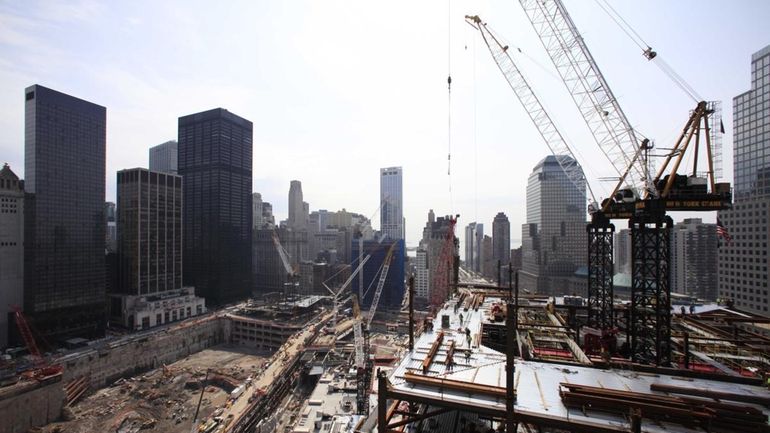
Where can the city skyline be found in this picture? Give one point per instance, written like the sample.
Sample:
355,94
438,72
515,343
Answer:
144,102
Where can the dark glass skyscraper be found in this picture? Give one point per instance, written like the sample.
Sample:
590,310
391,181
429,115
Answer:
215,157
501,238
64,268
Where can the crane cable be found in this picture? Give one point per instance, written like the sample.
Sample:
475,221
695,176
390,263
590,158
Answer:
647,50
449,103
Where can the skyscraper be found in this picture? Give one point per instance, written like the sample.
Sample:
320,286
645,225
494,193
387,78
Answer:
256,211
64,224
622,248
11,246
150,252
393,289
111,239
743,261
501,239
163,157
215,158
474,248
422,275
297,216
694,258
554,237
150,231
392,202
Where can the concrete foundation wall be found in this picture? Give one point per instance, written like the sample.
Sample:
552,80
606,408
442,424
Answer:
36,407
125,358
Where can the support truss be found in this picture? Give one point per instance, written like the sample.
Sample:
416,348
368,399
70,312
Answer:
650,324
600,271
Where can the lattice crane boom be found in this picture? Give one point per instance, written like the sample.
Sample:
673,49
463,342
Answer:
589,90
283,254
380,285
532,105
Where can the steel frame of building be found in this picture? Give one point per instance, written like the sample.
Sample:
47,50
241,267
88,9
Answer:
601,314
650,321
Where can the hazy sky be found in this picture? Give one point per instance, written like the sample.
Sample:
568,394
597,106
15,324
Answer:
338,89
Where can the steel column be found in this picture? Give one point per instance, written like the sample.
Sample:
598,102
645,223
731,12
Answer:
600,272
650,324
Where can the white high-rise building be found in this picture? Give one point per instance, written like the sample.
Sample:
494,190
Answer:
391,201
694,258
474,247
422,275
258,219
622,249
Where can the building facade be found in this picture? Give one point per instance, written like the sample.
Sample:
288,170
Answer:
474,247
554,237
622,250
11,248
111,236
149,231
501,238
297,214
743,260
215,162
64,165
392,202
164,157
421,275
258,219
364,287
150,252
694,259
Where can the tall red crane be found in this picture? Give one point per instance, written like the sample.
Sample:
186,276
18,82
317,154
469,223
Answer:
42,367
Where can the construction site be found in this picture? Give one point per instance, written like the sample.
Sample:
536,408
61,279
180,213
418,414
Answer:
481,357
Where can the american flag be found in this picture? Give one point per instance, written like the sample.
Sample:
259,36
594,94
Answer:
722,231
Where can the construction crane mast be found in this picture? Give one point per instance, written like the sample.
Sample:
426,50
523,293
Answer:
291,273
649,326
336,295
362,361
650,323
532,105
588,88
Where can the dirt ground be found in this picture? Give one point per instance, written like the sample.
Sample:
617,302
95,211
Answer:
164,399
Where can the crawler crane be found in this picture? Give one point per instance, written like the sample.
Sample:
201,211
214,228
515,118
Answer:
649,324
